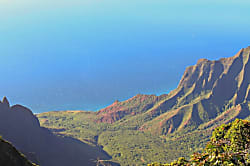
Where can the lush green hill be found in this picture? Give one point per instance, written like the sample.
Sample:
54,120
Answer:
150,128
10,156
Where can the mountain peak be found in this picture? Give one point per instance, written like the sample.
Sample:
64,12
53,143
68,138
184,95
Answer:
5,101
248,48
244,52
202,60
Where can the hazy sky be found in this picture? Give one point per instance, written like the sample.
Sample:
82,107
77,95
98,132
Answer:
84,54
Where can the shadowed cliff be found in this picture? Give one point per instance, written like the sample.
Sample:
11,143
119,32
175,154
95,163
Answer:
10,156
20,127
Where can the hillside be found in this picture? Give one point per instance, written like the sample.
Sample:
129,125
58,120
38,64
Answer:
229,145
20,127
12,157
149,128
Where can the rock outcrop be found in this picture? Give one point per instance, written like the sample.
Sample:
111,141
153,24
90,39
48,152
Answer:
19,126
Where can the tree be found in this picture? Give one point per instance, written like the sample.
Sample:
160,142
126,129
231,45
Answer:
229,145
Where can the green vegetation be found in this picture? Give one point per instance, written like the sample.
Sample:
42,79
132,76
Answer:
129,147
126,144
229,145
76,124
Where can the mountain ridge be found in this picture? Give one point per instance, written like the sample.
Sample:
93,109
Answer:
207,77
168,126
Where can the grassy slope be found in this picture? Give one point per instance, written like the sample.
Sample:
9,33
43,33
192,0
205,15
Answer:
126,146
76,124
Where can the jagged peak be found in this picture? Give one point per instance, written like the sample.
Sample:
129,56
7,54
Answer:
116,101
239,54
5,101
226,62
244,52
247,48
202,60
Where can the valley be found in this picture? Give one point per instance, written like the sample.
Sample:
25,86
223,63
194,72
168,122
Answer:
124,83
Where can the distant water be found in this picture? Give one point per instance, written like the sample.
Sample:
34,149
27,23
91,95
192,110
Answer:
84,54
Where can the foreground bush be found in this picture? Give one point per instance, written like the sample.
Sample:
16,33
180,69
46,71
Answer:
229,145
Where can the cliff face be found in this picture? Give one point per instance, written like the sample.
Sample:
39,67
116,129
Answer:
205,91
227,79
20,127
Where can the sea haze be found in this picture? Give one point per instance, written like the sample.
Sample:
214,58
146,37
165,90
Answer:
84,54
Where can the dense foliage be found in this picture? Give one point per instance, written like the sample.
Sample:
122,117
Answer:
229,145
